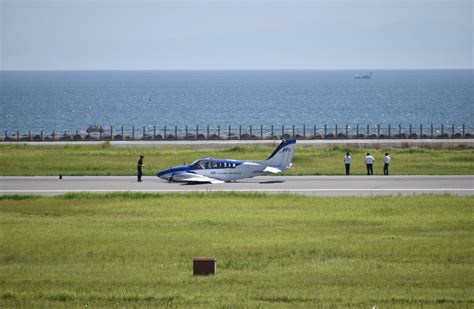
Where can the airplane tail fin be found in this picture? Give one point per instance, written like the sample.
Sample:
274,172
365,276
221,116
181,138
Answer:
281,156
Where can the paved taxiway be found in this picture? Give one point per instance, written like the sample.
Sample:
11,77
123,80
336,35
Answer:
309,185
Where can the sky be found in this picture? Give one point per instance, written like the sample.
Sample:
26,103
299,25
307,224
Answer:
233,34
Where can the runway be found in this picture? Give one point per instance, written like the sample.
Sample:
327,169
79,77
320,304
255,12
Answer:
308,185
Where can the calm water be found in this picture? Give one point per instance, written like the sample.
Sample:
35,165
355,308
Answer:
75,99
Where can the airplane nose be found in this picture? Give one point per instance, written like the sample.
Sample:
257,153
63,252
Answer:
163,174
167,174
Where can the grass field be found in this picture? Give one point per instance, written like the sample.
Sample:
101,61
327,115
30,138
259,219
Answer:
74,160
272,250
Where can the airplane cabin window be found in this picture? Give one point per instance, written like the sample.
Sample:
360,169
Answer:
228,165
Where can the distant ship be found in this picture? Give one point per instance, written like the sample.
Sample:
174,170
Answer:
357,76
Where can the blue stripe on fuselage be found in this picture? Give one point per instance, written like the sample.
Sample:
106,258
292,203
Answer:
174,170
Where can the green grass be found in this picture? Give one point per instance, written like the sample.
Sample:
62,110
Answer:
75,160
272,250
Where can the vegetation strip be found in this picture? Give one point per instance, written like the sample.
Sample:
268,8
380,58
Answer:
136,249
105,160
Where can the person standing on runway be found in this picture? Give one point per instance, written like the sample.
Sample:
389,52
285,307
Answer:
386,163
139,168
369,163
347,163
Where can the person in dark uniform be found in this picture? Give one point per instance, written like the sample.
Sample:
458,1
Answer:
139,168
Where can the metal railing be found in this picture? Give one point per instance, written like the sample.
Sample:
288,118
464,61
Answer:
250,132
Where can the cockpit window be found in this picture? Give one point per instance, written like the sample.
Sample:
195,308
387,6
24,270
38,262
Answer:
199,164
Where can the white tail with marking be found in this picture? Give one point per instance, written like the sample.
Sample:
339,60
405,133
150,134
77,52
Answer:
282,155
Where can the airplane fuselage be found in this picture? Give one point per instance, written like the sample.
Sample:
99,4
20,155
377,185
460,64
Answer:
223,170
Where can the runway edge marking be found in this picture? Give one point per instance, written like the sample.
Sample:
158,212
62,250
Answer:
238,190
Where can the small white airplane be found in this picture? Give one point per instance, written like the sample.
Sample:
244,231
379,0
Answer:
210,170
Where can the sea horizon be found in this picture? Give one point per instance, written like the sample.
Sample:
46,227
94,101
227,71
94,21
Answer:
236,69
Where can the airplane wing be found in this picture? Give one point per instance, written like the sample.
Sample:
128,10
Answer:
268,169
195,178
273,170
250,163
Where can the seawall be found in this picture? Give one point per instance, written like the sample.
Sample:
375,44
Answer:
353,143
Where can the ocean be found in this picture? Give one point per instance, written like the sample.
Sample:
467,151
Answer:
73,100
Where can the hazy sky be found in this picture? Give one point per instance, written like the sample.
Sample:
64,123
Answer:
231,34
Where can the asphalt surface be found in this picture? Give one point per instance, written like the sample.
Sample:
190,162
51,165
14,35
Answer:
309,185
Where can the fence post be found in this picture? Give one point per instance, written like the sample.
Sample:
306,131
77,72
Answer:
463,131
293,131
207,131
100,134
6,134
272,132
65,133
123,137
41,134
431,130
186,132
230,131
314,130
176,132
336,130
304,131
18,136
442,129
368,131
29,133
421,130
164,132
133,133
197,131
143,137
250,131
111,133
154,132
282,130
261,131
378,131
389,134
325,130
452,131
399,130
410,131
218,132
240,131
357,130
347,131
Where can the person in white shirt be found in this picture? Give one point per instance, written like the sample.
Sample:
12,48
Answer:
347,162
386,163
369,163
